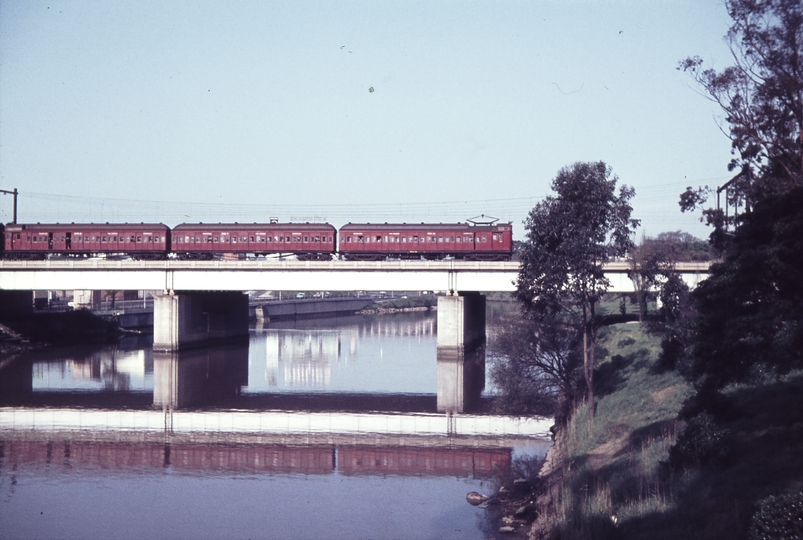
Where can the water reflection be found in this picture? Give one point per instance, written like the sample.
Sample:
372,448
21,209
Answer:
356,354
199,377
87,454
350,430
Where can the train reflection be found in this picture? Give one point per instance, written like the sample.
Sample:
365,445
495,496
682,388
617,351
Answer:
16,455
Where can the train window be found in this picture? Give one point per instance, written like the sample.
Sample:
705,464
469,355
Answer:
348,239
252,239
208,239
215,239
139,239
440,239
286,238
306,239
103,239
458,239
404,239
494,237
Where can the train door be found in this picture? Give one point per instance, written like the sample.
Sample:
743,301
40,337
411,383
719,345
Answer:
68,241
50,241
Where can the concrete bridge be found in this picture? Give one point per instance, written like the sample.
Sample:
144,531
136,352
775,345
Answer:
285,275
203,302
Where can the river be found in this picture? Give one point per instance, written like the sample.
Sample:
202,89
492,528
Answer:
347,428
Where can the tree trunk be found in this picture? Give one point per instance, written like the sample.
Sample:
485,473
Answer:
588,369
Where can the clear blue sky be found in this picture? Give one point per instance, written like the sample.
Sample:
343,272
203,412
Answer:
240,111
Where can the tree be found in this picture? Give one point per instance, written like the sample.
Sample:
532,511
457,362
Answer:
652,262
762,98
536,365
569,237
750,317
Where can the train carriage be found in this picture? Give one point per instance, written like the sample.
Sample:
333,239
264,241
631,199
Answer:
373,241
308,241
37,241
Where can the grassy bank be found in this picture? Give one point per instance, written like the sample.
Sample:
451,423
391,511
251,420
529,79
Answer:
615,479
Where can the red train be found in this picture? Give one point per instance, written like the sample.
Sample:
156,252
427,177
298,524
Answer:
367,241
144,240
305,241
308,241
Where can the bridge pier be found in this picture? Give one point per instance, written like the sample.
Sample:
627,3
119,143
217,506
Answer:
461,357
461,320
182,320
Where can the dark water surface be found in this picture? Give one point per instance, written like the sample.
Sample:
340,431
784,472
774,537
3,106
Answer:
355,428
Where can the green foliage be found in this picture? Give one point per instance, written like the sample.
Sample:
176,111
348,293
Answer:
761,98
700,443
535,364
569,237
750,319
779,517
614,470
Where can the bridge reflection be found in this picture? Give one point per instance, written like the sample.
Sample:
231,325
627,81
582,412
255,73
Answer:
140,410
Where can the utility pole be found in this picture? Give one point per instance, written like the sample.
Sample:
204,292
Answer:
15,193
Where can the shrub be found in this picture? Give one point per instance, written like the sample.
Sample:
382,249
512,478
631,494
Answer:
779,517
699,444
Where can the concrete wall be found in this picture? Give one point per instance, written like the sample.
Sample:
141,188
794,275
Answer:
194,319
309,309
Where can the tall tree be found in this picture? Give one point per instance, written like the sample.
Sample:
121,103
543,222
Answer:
569,236
761,95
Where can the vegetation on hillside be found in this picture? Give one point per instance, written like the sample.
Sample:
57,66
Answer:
699,410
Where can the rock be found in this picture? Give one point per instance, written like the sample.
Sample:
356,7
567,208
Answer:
524,511
507,529
476,499
520,482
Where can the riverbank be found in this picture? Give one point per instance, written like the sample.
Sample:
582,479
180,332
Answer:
60,328
427,302
647,468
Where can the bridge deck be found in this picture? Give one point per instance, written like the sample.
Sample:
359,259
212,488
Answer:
275,274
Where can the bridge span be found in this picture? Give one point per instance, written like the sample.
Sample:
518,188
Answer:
203,301
287,275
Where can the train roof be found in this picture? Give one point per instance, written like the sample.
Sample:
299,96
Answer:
253,227
45,227
420,226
